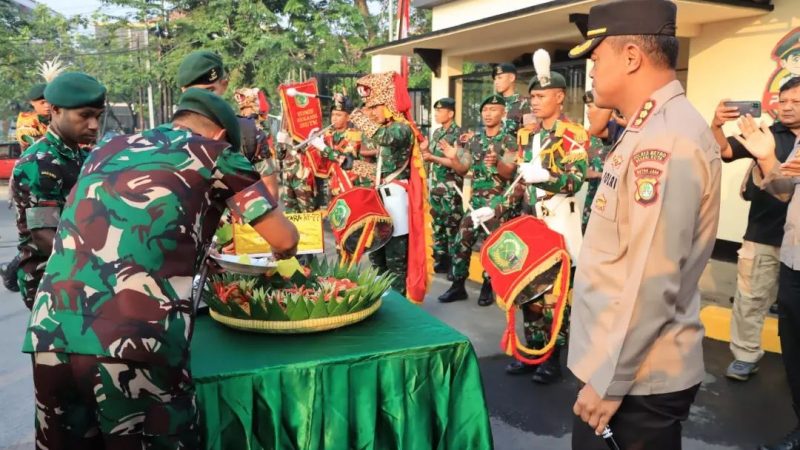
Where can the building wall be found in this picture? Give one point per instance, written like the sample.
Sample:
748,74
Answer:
463,11
733,60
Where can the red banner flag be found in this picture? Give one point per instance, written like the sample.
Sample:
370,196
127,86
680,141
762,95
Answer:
302,113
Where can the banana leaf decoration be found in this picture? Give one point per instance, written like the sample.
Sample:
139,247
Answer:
327,290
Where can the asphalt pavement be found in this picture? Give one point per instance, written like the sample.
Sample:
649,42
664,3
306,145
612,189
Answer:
727,415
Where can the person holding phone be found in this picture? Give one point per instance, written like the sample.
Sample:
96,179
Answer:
782,180
759,262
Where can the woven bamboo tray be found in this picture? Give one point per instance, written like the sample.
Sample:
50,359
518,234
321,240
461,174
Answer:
298,326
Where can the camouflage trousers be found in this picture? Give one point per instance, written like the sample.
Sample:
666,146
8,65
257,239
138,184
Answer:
393,258
537,315
466,238
447,213
297,196
92,402
536,319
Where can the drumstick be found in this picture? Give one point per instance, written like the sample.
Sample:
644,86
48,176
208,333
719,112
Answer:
469,206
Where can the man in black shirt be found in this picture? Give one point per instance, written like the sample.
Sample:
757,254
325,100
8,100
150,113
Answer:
759,262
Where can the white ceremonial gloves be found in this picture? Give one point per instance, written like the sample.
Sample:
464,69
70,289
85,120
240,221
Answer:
284,137
317,142
534,173
481,215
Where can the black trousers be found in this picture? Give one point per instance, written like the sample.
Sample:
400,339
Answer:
789,328
643,422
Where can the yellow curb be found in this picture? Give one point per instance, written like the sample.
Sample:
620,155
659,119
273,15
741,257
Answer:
717,321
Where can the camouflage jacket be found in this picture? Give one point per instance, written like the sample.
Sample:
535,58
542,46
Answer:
564,152
442,174
130,241
256,145
342,142
30,128
395,141
487,186
516,107
42,179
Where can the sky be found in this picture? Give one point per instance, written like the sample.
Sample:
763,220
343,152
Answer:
78,7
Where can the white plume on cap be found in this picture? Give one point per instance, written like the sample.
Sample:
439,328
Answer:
50,69
541,63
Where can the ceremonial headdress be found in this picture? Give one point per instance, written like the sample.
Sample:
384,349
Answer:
251,98
545,78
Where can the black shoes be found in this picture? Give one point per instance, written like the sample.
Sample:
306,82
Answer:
520,368
9,273
455,293
442,265
487,295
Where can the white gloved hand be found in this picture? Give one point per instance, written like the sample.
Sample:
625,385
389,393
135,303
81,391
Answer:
533,173
481,215
284,137
317,142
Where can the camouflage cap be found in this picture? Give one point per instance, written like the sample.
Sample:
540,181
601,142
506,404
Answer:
556,81
494,99
445,103
503,68
75,90
211,105
200,67
36,92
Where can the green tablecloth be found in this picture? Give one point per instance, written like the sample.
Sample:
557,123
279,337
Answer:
401,379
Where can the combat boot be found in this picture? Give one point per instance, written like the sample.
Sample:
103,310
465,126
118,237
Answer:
9,273
520,368
455,293
487,295
442,264
549,371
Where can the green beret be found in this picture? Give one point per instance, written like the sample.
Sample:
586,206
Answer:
494,99
504,68
211,105
75,90
445,103
200,67
557,81
36,92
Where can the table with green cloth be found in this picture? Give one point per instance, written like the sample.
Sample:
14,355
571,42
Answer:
401,379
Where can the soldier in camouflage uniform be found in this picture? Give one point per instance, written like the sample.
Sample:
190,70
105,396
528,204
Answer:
342,145
446,206
296,179
490,157
46,171
256,142
32,125
112,321
394,140
553,163
505,78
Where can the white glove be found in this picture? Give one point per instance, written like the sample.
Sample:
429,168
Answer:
534,173
317,142
481,215
284,137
